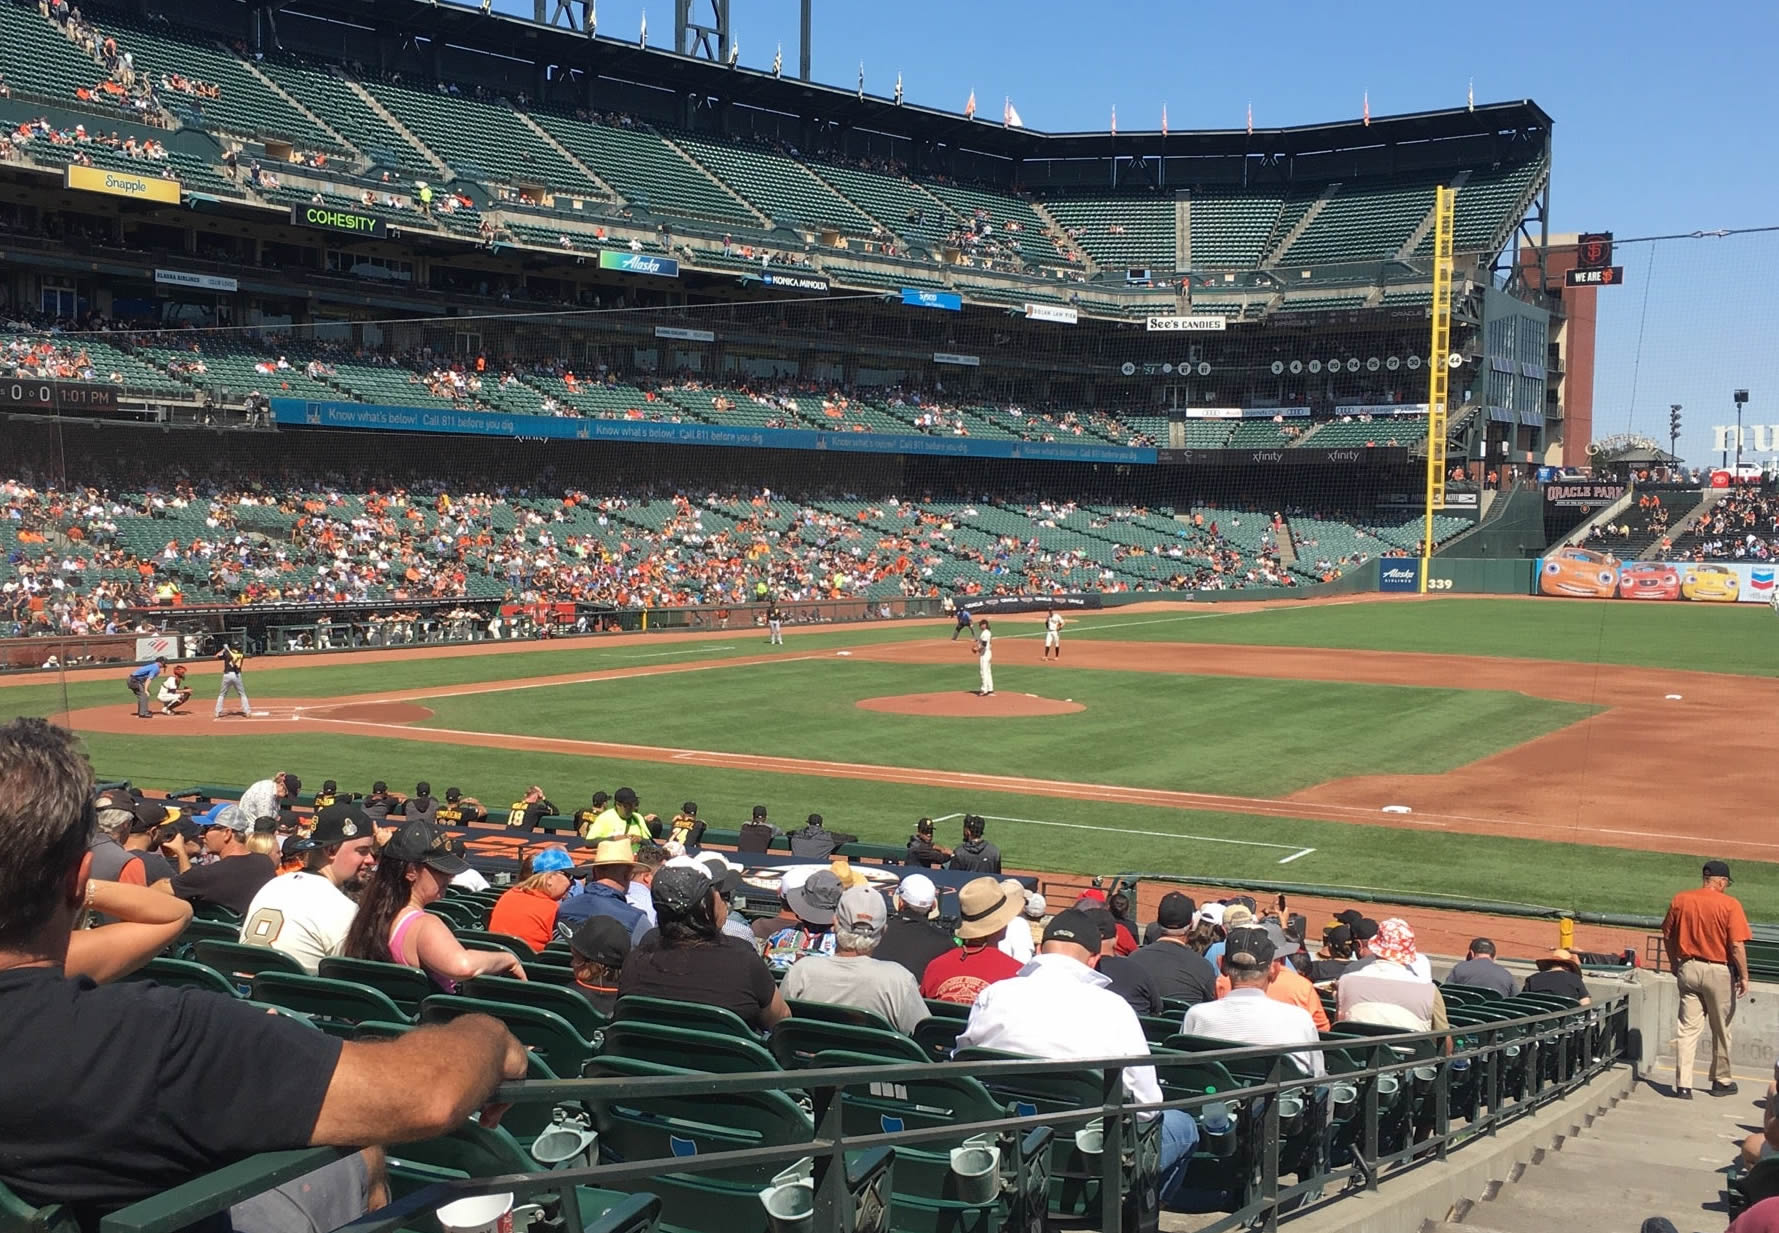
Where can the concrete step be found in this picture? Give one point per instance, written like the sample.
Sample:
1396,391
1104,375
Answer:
1593,1195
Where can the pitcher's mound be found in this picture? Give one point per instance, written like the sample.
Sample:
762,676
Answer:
373,712
996,705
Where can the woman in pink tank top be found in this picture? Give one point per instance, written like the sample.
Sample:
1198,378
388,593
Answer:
393,925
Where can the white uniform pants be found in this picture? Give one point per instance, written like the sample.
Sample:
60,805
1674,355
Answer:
776,633
985,665
232,680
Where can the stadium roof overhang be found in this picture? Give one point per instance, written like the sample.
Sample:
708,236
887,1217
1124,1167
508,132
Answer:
523,40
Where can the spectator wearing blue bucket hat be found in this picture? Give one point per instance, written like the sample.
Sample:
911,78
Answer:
528,910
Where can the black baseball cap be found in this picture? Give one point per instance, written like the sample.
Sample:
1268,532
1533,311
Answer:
724,876
1074,925
1351,917
419,842
1248,948
924,827
423,788
149,816
1338,935
759,811
340,823
292,784
815,819
624,796
1365,930
328,785
677,891
453,794
1176,911
601,797
601,940
380,786
1104,921
1717,869
690,809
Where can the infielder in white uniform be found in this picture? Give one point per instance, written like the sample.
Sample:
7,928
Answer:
1052,634
985,657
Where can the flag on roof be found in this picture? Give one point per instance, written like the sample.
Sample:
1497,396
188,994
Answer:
778,61
643,40
1114,119
1365,112
1164,119
970,107
1250,119
1470,96
1010,115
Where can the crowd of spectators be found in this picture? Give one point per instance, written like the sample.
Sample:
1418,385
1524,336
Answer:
646,909
123,85
82,143
1744,526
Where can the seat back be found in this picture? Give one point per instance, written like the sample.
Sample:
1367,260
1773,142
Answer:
830,1012
197,930
335,1005
669,1012
717,1052
567,1002
405,986
241,962
795,1042
481,939
565,1049
185,973
16,1214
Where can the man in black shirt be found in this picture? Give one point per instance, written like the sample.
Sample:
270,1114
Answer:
459,810
235,876
910,937
1177,970
922,850
422,804
756,835
150,832
381,803
528,809
816,842
976,854
585,818
1130,980
96,1128
1337,955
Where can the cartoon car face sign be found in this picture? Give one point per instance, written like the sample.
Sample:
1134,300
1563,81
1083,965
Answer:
1648,580
1579,572
1711,584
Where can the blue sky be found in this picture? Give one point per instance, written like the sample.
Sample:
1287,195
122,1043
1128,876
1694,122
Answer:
1664,122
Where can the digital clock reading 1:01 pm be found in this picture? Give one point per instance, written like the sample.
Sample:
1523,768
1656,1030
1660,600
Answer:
21,394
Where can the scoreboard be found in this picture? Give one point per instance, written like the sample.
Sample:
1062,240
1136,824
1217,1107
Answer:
37,394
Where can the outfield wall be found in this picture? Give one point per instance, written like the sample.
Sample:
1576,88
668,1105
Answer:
1582,573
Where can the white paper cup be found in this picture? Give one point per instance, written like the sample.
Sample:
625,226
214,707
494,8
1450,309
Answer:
483,1213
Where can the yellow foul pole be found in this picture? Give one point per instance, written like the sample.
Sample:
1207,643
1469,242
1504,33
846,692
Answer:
1438,375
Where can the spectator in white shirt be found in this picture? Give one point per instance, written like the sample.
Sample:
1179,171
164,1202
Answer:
1059,1007
1246,1015
306,914
1017,944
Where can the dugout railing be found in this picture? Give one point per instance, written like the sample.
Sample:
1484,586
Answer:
1390,1103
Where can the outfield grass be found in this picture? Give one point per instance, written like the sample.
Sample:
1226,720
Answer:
1265,734
1231,735
1134,837
1737,638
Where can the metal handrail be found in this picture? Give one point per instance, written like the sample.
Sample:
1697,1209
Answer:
1601,1029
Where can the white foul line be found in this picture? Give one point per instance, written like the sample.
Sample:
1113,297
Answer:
622,674
1119,830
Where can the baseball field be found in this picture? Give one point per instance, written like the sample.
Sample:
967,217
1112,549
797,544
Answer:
1571,754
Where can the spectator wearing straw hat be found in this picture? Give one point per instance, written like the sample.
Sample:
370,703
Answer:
604,894
960,974
1560,973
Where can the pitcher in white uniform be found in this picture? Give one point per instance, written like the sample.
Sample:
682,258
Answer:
1052,634
985,657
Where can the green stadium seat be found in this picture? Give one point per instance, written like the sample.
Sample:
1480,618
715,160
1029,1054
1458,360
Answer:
185,973
544,1031
241,962
693,1015
567,1002
336,1006
405,986
718,1052
796,1042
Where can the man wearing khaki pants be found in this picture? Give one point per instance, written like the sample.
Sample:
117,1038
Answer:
1706,934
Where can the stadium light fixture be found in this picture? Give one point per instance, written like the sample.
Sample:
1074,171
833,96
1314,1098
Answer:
1741,397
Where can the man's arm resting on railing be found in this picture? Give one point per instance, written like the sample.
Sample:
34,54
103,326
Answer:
419,1085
